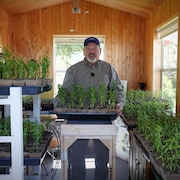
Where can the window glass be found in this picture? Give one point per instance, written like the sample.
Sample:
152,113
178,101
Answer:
169,68
169,46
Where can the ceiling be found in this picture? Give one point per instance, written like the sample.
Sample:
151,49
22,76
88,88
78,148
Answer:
139,7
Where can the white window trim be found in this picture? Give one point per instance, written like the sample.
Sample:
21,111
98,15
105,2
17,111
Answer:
71,39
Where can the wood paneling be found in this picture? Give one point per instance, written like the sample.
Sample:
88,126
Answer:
4,29
138,7
124,33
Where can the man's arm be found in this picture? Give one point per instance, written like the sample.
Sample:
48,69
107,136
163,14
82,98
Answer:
68,81
121,91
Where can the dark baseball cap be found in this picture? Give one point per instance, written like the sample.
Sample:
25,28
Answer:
91,39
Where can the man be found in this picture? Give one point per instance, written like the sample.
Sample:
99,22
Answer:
91,72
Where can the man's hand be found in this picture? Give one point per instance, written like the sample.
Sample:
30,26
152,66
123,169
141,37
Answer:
119,109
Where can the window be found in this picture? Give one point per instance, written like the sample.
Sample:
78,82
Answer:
68,50
168,36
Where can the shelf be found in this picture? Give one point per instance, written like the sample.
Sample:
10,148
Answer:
26,90
13,108
27,161
86,116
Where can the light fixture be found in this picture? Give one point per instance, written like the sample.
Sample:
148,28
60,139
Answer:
86,12
75,7
72,30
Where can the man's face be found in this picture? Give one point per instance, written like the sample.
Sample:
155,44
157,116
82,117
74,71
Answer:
92,52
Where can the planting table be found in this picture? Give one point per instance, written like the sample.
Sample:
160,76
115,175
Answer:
143,164
74,129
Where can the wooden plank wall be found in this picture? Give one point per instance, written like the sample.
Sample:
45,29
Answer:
4,29
124,33
165,12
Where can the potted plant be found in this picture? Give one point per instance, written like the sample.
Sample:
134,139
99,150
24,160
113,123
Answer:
19,72
137,101
92,94
27,126
27,103
33,73
72,98
81,98
112,96
5,130
7,67
162,134
5,127
157,131
62,99
96,99
1,64
103,96
44,65
47,104
36,138
37,133
32,68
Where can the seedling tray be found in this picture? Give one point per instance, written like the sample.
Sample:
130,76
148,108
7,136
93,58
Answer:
26,90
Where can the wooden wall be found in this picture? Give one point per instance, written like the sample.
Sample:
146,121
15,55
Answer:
4,29
124,33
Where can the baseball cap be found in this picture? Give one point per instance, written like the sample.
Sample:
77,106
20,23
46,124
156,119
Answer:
91,39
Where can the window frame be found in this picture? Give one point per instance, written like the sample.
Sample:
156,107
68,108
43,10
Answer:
69,39
158,69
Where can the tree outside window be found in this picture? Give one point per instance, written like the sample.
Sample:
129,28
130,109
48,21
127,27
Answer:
169,68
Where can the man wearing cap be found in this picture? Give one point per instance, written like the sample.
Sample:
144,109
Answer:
91,72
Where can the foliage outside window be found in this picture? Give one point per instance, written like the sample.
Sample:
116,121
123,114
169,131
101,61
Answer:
166,49
169,68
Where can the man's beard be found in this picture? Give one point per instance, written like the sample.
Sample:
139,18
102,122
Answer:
90,60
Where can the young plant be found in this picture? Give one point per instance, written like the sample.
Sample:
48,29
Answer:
81,96
25,132
159,126
1,64
37,133
5,127
8,71
92,96
72,96
32,69
20,68
45,62
1,126
170,154
62,95
112,94
102,95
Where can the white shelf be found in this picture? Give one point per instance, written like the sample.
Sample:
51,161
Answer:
11,97
16,138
